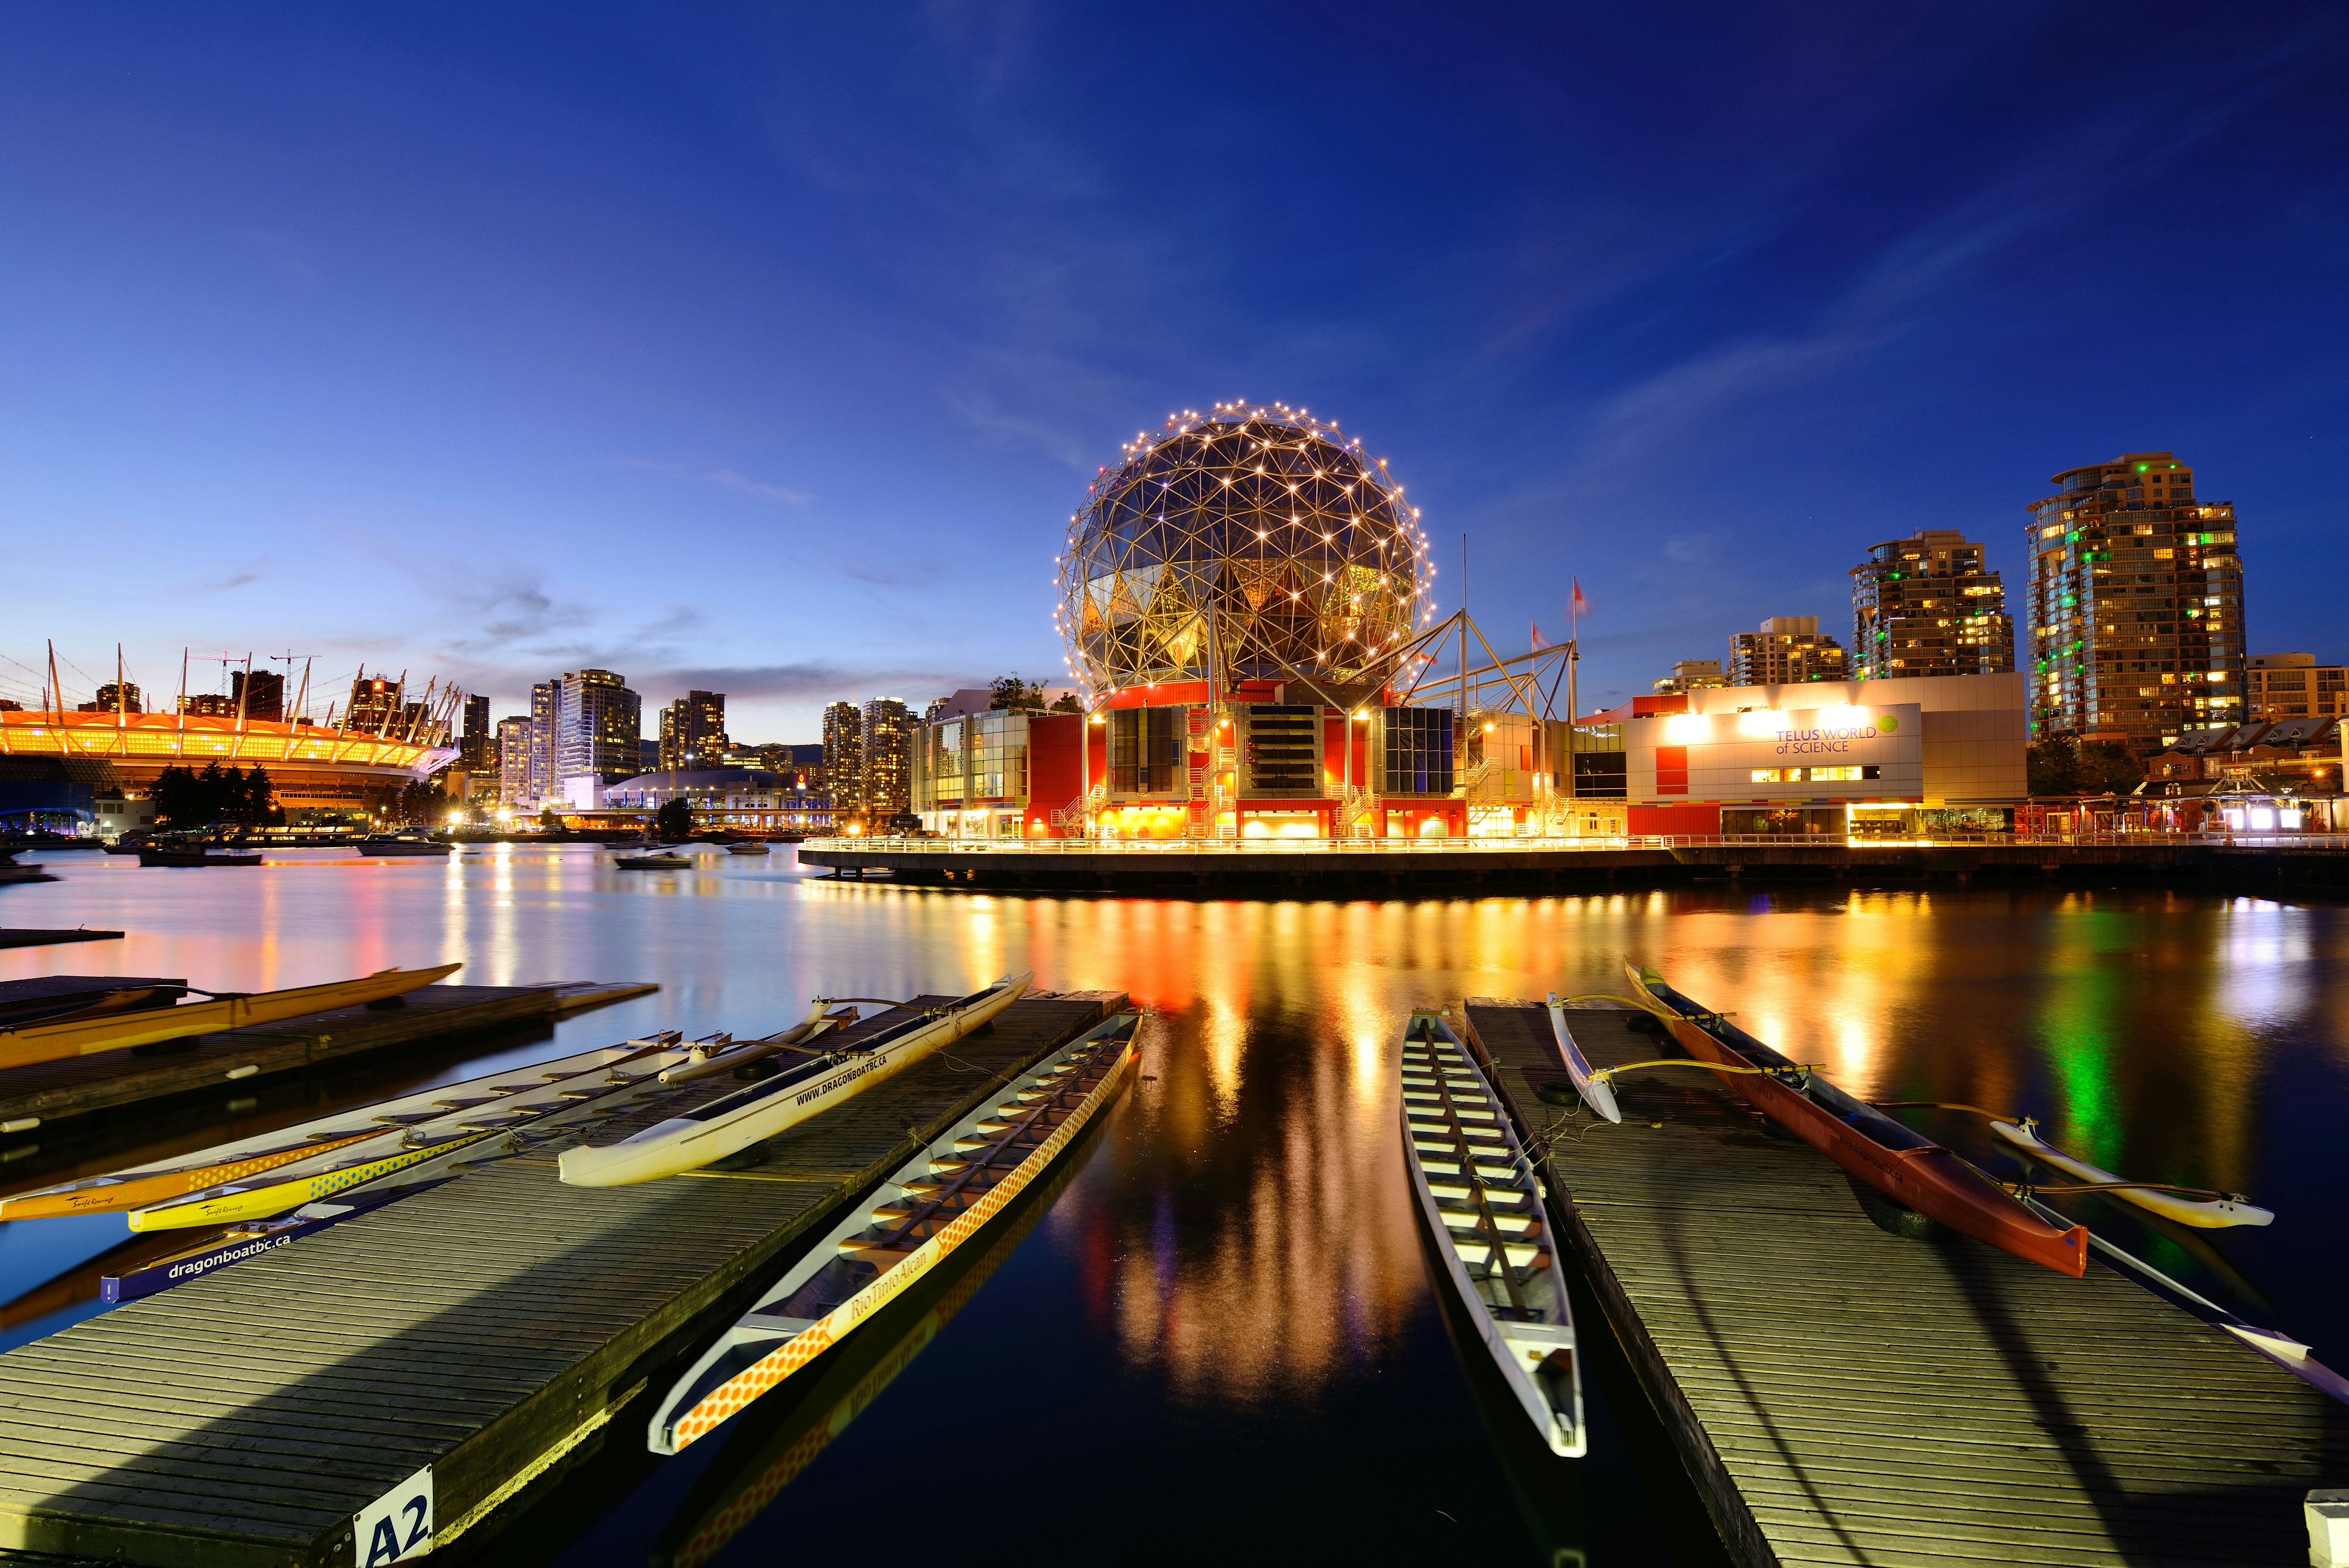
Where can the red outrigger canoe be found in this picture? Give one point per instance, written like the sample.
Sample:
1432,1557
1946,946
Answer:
1905,1165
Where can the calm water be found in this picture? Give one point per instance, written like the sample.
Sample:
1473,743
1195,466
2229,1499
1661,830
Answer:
1218,1337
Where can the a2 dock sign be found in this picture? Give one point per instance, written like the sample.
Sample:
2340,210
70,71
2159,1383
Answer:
395,1526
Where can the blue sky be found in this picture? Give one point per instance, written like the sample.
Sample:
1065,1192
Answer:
771,347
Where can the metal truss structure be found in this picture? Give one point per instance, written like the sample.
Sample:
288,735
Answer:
1250,543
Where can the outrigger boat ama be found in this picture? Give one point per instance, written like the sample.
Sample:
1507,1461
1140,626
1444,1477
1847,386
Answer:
934,1204
1483,1206
485,1100
476,1120
1904,1164
736,1121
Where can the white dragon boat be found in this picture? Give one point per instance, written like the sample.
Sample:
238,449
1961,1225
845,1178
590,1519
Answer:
935,1203
1484,1207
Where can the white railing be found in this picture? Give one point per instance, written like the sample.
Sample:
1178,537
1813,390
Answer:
1568,842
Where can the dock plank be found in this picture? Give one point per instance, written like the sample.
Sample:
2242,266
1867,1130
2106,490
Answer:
477,1328
50,1091
1845,1396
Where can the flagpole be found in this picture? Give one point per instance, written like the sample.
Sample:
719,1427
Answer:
1573,693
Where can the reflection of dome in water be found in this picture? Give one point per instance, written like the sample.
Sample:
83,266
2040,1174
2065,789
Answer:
1248,535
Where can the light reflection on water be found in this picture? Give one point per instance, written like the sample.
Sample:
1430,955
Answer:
1231,1289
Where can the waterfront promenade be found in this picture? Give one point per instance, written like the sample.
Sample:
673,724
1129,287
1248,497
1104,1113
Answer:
2264,863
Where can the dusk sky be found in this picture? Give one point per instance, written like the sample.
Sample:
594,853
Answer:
770,348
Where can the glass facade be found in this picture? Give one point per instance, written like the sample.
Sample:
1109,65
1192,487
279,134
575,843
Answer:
1416,758
1145,749
971,774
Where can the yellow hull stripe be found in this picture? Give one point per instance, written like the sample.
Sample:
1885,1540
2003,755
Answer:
762,1376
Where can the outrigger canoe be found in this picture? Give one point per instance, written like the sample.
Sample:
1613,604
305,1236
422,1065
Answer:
424,1150
734,1122
1904,1164
1596,1092
480,1098
63,1041
2206,1214
935,1203
1483,1206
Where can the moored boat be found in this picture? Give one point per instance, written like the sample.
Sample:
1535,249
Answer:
400,844
196,855
1483,1204
1596,1092
664,861
422,1150
734,1122
935,1204
2202,1213
58,1041
481,1098
1904,1164
753,847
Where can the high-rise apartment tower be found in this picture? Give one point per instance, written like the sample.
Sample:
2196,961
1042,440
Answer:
1691,675
475,747
2136,604
693,731
1926,605
514,761
598,728
843,758
888,758
1788,649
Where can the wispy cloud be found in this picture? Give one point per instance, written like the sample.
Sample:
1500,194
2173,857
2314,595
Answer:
813,679
234,580
726,479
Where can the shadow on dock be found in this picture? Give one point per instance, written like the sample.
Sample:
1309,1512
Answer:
488,1329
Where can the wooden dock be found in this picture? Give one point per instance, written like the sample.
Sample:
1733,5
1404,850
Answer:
483,1329
52,1090
36,937
1843,1397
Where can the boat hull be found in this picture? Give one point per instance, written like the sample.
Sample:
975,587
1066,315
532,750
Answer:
1929,1178
691,1411
1595,1091
1517,1347
138,1191
687,1143
120,1032
2202,1214
260,1200
494,1095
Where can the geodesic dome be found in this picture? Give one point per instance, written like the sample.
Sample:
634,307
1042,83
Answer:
1247,536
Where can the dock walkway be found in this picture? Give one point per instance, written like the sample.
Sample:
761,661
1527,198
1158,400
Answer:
102,1080
482,1329
1844,1396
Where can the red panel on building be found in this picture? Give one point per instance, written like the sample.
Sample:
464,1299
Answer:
1055,776
1671,770
1673,819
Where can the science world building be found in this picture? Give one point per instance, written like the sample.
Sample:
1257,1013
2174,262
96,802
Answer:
1240,601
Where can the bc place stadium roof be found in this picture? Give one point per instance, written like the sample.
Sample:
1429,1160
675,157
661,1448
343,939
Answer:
141,744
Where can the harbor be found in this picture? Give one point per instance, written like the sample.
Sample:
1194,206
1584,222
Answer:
1227,1273
1399,866
487,1366
1796,1349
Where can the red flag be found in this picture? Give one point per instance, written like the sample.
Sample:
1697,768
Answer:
1580,604
1537,628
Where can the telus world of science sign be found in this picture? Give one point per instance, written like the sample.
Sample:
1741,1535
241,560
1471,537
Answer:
1767,756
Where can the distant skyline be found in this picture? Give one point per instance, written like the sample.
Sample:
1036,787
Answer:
768,350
